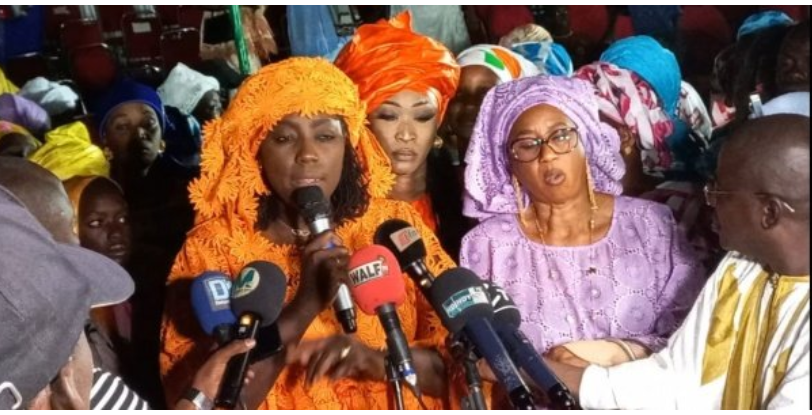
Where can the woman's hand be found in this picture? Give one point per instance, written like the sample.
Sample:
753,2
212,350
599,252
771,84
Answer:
340,356
324,268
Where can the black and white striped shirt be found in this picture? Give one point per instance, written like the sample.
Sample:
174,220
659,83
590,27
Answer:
110,392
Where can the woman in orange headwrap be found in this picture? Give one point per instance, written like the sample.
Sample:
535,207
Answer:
294,124
405,80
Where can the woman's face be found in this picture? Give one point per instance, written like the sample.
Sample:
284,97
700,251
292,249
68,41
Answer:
550,177
133,134
209,107
104,225
301,152
475,82
406,126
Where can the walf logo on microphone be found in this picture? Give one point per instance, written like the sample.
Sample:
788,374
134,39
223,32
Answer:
461,300
247,282
369,271
404,238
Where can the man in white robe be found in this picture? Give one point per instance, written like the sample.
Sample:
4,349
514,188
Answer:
745,344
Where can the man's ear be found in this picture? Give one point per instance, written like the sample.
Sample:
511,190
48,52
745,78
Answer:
771,212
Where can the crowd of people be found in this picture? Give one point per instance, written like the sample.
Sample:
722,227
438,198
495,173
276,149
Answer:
654,235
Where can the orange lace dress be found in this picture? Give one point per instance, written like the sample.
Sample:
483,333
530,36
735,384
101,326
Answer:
226,201
211,246
426,211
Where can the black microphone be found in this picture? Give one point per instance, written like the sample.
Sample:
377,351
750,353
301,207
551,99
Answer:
507,320
464,307
256,299
316,210
405,242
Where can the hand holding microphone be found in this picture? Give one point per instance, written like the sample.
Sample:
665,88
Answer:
316,210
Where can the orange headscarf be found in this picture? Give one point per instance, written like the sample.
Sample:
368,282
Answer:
386,58
230,182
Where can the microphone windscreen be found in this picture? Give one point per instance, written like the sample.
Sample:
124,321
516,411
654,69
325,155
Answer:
375,278
211,300
402,239
458,296
259,289
505,311
311,202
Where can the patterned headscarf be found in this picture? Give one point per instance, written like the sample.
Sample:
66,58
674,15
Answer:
231,182
386,58
626,99
68,152
488,186
505,63
692,135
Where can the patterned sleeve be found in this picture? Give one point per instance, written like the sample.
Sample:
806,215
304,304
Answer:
683,279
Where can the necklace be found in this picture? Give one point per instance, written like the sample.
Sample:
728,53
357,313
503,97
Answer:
592,269
299,234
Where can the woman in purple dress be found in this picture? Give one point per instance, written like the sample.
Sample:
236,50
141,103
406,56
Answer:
598,277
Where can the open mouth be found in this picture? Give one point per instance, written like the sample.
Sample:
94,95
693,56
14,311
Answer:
554,177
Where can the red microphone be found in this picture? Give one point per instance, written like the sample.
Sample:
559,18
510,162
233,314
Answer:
377,286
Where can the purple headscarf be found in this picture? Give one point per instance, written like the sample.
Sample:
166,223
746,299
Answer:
25,113
488,186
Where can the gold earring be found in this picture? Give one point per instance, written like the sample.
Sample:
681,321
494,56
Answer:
108,154
162,147
590,188
517,188
627,150
438,142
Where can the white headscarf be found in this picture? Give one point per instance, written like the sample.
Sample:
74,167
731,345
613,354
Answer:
55,98
185,87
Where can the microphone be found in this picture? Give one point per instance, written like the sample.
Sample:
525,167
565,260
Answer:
522,352
256,298
463,305
378,287
211,301
316,210
404,241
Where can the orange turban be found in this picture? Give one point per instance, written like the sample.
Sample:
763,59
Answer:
231,182
386,58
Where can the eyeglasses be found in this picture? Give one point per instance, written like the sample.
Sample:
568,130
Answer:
711,194
561,141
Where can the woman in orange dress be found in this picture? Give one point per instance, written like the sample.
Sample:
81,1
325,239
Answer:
406,80
295,124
